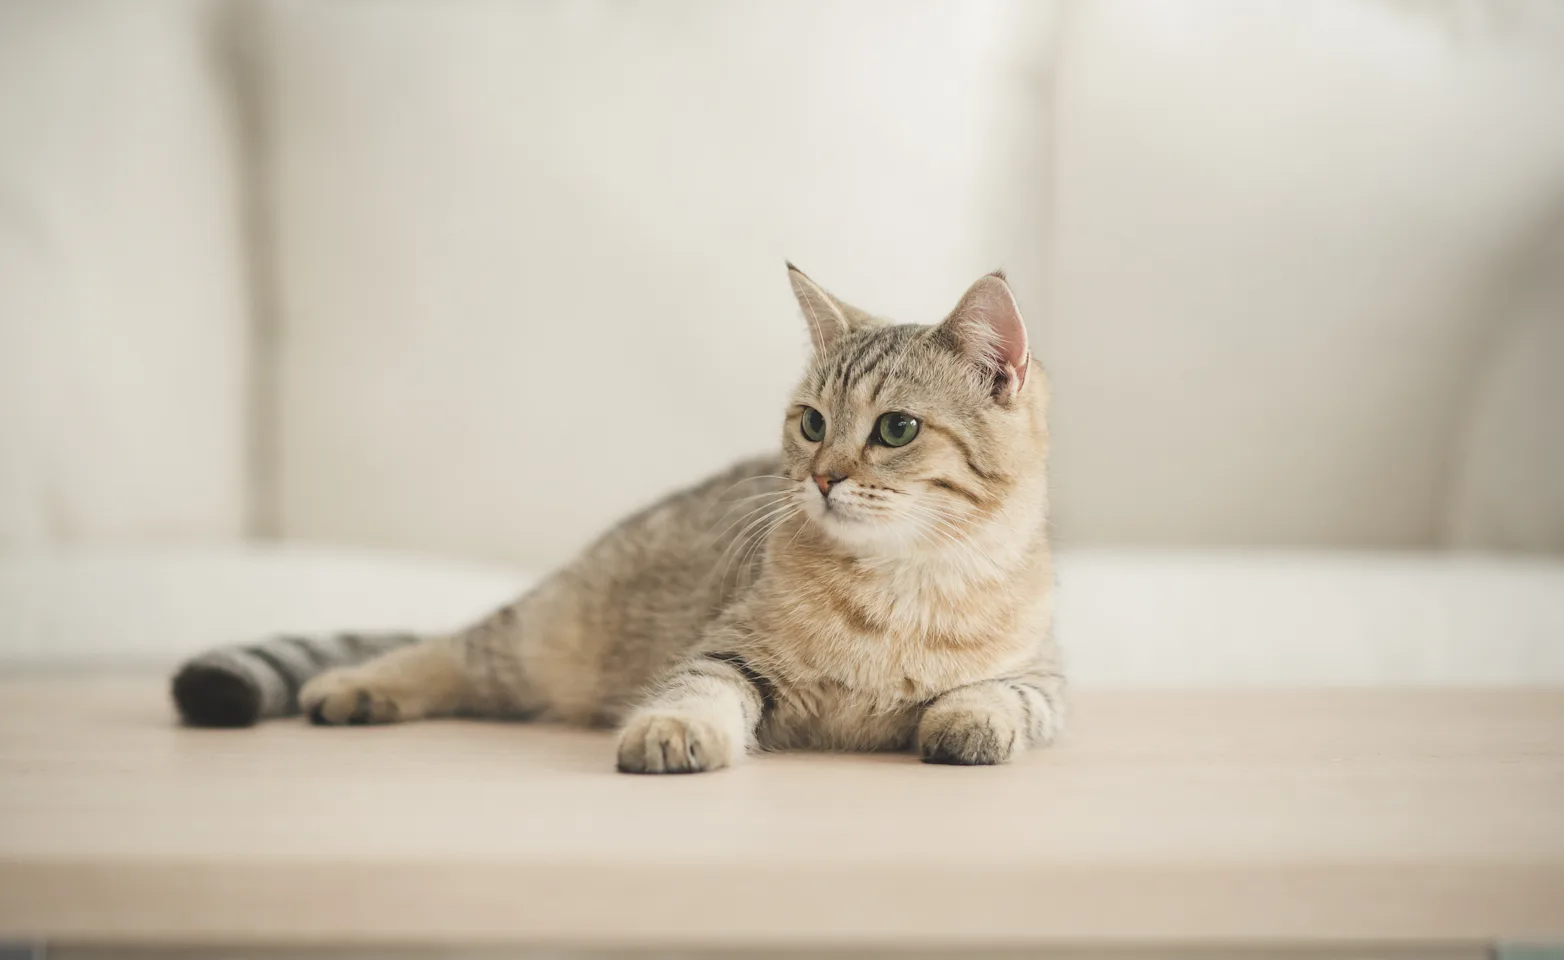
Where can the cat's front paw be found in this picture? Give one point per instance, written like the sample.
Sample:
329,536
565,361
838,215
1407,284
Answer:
968,737
346,695
673,743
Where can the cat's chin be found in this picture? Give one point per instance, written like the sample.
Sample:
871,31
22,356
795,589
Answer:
858,534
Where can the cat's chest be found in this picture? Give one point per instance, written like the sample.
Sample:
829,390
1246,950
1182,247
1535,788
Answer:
892,645
855,670
829,716
896,666
861,689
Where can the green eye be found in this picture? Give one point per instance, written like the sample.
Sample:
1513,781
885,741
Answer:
896,429
812,423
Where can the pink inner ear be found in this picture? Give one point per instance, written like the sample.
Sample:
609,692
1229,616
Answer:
987,322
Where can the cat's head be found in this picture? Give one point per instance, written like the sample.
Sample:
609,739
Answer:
902,436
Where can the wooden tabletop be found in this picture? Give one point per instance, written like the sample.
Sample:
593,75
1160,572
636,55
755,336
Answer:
1214,817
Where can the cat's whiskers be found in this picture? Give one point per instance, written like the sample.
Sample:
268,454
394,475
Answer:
963,543
755,530
762,537
722,500
775,498
930,519
747,523
753,521
801,527
755,496
757,477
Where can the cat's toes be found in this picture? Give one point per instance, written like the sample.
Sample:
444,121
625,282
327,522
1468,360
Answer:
345,696
670,743
967,737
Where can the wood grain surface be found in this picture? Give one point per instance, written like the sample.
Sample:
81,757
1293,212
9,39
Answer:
1217,817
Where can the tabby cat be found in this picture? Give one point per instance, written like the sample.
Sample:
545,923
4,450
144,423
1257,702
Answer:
884,584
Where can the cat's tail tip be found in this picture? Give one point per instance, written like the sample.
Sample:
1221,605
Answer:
240,684
211,695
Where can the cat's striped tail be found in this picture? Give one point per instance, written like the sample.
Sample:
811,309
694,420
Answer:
236,685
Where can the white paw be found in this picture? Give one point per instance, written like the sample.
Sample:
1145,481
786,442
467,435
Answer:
968,737
673,743
345,695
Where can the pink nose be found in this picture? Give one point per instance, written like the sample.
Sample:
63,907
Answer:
825,481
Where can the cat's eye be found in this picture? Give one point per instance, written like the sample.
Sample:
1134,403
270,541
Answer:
895,429
812,425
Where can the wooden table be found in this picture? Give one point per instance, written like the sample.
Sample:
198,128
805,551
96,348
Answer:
1303,817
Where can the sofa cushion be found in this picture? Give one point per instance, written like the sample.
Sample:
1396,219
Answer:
1509,484
530,256
1126,618
123,313
1287,237
1301,618
108,606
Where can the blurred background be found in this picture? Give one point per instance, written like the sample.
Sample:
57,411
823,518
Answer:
370,311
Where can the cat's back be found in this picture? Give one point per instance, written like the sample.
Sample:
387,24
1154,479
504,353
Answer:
695,525
695,546
640,596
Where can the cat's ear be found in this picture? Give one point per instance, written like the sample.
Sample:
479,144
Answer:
828,318
986,327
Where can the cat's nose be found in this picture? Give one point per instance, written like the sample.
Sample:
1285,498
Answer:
825,481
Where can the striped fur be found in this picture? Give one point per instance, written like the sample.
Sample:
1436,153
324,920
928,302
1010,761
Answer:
844,595
237,685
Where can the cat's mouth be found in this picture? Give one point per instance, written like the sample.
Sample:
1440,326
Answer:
838,513
843,512
833,510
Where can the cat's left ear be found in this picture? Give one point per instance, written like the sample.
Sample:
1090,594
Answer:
828,317
987,328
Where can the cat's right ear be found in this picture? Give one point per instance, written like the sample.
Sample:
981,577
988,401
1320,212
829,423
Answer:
824,313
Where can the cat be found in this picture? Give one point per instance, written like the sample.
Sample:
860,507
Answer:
885,583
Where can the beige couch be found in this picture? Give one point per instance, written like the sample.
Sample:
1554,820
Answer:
295,297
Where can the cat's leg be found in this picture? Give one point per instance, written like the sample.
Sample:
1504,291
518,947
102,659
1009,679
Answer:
426,679
703,717
994,720
238,684
475,671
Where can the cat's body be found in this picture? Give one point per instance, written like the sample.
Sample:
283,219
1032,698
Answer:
882,584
